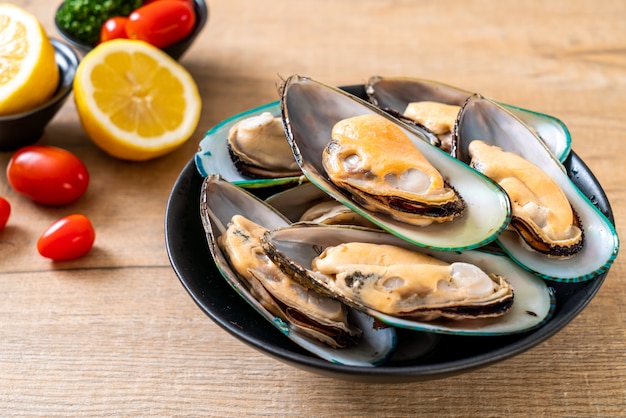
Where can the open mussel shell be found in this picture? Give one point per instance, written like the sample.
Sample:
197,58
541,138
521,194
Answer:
310,109
213,157
484,119
220,200
298,244
396,93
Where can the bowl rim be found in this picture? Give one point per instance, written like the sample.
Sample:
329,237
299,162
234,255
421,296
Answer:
62,52
202,15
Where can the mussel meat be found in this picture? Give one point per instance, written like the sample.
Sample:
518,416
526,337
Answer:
259,149
397,95
576,242
319,316
373,159
438,118
407,283
541,213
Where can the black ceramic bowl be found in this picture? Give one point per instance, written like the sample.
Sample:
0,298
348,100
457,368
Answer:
26,128
175,51
453,354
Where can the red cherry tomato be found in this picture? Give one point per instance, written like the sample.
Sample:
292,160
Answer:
114,28
68,238
48,175
5,212
161,23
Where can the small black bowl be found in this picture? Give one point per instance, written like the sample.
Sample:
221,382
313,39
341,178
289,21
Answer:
22,129
175,50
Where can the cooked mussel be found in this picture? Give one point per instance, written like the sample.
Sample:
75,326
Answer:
411,284
374,160
439,118
233,219
399,94
318,316
467,292
311,109
259,149
541,213
214,153
574,243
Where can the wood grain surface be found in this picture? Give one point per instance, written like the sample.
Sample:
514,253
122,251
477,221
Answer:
115,334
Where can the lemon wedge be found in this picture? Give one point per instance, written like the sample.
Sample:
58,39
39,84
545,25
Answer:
29,74
134,101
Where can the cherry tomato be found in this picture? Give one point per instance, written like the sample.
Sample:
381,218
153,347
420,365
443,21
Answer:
68,238
161,23
5,212
114,28
48,175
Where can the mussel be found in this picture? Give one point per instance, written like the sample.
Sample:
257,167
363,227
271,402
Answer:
541,213
475,206
309,312
439,118
217,153
372,158
564,236
233,220
400,284
410,284
258,147
399,94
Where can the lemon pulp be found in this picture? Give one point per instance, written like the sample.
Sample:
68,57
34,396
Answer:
29,75
135,102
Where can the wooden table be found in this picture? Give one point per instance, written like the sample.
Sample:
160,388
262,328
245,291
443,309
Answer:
115,333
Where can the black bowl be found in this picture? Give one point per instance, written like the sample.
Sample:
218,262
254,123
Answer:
452,354
175,50
26,128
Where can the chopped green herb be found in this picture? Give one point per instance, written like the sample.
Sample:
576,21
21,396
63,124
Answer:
83,19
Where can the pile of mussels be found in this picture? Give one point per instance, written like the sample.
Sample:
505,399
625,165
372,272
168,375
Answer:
426,208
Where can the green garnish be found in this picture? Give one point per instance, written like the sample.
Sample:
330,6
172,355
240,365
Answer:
83,19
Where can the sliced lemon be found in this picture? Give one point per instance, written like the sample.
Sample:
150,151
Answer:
29,74
134,101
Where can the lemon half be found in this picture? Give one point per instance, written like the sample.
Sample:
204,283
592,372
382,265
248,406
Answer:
29,74
134,101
